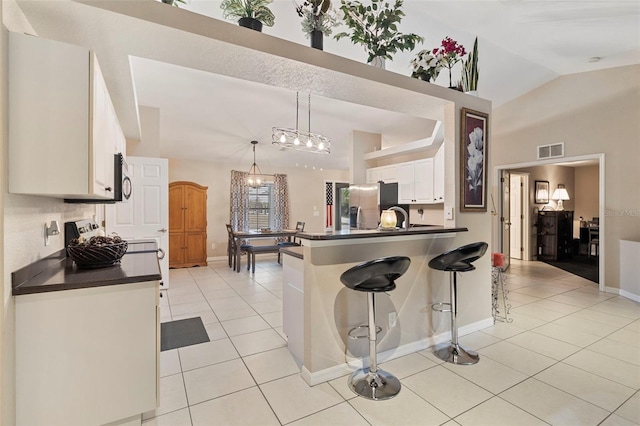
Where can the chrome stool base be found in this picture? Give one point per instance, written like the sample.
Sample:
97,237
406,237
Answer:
377,386
455,354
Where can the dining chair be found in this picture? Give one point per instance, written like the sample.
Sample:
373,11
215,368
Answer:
294,241
231,249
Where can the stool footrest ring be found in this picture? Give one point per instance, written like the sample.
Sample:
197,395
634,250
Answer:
441,307
364,336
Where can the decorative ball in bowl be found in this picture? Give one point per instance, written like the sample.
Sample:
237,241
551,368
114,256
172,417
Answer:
97,252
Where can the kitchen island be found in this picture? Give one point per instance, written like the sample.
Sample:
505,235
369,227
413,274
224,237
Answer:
87,340
319,311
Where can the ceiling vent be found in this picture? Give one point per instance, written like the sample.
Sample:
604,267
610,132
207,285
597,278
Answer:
551,151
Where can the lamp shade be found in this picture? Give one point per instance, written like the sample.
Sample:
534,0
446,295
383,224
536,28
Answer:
560,194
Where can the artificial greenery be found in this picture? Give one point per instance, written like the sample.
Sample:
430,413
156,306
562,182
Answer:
317,15
470,69
376,28
256,9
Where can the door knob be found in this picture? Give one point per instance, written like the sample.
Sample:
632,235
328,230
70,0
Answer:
163,230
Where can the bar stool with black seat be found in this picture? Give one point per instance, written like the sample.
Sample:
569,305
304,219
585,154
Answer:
454,261
374,276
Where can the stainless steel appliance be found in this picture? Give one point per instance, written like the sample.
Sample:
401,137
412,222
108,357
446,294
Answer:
367,200
121,184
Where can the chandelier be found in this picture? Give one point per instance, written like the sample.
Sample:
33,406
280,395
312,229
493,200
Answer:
299,139
255,178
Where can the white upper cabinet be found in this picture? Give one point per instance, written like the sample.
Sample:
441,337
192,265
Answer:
387,174
415,182
438,176
63,131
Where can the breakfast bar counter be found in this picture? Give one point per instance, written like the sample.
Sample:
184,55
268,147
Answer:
319,310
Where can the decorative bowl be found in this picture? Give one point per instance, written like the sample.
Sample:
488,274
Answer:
97,256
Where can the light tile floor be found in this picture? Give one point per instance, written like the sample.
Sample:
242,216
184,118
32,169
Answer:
570,357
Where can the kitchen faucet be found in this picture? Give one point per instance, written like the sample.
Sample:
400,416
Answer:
405,216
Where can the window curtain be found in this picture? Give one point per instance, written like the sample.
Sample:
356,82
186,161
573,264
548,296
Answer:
281,203
239,201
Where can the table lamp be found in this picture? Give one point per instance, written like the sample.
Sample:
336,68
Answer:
388,219
560,194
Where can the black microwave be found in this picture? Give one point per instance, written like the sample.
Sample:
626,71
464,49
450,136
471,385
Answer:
122,186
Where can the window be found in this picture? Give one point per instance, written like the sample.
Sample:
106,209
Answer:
260,214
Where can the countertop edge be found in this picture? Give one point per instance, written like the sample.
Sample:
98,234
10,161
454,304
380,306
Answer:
20,291
374,233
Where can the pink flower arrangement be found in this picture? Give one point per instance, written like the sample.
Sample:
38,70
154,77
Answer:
451,53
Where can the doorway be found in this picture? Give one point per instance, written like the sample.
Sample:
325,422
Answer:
591,188
518,215
341,206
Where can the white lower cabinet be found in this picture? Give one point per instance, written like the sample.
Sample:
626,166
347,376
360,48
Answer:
415,182
87,356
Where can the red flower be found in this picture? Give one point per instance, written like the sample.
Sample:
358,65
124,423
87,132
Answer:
451,52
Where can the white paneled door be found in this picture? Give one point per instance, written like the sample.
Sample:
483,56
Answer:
146,214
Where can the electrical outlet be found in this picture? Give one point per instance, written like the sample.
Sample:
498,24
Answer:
393,318
213,246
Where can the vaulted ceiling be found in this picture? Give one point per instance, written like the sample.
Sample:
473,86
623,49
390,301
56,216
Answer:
213,115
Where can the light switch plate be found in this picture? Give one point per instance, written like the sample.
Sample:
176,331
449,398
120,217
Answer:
449,211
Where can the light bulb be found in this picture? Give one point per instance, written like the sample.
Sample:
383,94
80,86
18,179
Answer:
296,141
283,138
321,146
309,144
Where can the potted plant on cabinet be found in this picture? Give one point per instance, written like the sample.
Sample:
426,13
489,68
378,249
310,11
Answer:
426,66
318,20
376,28
174,2
249,13
452,53
470,70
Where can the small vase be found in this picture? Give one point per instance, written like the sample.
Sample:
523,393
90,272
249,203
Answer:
378,62
317,39
252,23
472,92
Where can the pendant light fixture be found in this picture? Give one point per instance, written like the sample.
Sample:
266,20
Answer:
255,178
299,139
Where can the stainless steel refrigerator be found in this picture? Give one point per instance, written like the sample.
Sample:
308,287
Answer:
367,200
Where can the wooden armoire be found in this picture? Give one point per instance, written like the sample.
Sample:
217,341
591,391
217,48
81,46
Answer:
187,225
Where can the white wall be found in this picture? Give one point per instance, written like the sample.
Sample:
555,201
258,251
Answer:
592,112
587,188
306,194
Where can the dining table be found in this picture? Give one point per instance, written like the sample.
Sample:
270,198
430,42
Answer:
258,233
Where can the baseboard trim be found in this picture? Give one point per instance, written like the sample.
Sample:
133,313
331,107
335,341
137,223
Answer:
629,295
350,366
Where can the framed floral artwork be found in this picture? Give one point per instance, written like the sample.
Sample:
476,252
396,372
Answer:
474,148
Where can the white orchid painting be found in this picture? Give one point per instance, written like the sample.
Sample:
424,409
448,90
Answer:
474,160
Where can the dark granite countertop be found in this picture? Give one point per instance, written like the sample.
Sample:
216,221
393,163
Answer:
371,233
57,272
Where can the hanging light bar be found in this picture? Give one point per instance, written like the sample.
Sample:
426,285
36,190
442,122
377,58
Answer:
299,139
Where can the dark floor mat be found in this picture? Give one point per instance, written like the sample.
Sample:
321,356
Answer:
180,333
583,266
